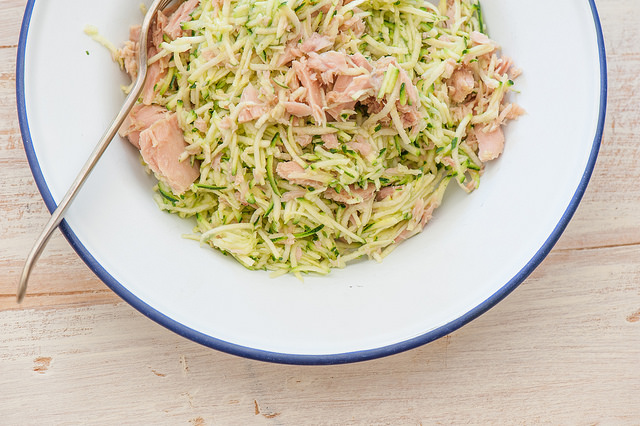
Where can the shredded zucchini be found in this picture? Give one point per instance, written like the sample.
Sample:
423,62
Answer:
245,207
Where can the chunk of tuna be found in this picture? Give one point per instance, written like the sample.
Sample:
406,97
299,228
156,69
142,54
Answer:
304,140
294,173
504,65
491,143
408,112
511,112
348,90
386,191
315,97
315,43
295,49
155,74
157,29
298,109
129,52
140,118
478,38
201,124
355,24
449,67
129,56
161,146
183,14
355,194
359,60
381,66
327,65
134,33
364,148
251,106
409,115
330,141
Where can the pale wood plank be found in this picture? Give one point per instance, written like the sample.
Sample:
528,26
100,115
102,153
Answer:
607,215
551,353
10,21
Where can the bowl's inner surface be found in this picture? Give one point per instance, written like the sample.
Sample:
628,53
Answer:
474,245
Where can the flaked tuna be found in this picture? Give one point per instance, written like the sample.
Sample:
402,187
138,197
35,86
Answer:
355,24
251,106
129,52
408,111
354,195
161,146
381,66
346,92
155,74
330,141
294,173
479,38
295,49
183,14
358,145
298,109
315,98
503,65
490,143
157,29
304,140
387,191
359,60
461,84
140,118
510,112
201,124
327,65
315,43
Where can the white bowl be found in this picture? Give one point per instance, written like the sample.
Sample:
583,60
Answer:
475,251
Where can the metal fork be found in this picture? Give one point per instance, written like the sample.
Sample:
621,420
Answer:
57,215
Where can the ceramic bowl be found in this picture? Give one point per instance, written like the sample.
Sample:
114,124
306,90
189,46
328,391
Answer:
474,252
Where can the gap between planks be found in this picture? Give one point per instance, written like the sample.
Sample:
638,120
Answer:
96,296
599,247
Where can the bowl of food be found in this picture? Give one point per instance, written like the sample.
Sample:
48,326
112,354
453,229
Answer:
315,182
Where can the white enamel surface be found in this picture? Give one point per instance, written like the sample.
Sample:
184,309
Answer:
474,245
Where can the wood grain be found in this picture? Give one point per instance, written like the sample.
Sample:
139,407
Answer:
505,365
564,348
23,213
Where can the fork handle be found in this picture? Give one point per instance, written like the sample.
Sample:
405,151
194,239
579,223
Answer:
58,213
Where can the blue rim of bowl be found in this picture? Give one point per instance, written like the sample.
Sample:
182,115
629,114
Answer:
298,359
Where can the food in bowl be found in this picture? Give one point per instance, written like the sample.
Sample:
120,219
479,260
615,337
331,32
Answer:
303,135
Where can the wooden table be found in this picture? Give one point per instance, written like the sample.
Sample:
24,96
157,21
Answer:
563,348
